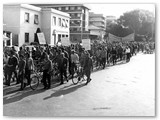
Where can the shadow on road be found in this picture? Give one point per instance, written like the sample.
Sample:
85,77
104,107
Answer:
16,95
65,90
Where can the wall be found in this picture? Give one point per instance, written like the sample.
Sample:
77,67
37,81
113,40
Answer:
50,30
30,27
11,19
46,23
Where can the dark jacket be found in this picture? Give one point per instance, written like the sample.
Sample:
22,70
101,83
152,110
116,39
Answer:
65,63
88,64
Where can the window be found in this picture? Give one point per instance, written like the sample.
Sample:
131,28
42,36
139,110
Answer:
72,15
82,10
67,24
63,23
36,21
54,20
66,35
72,8
78,29
27,37
66,8
59,37
78,8
63,8
78,15
59,8
63,35
59,19
26,17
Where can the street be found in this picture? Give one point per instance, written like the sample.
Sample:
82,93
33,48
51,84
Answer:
122,90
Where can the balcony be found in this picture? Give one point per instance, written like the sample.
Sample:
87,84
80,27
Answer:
96,20
75,17
79,32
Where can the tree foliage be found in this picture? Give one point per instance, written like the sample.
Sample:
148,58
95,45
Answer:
138,21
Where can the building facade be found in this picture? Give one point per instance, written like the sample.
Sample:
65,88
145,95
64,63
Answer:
79,21
97,25
55,25
24,20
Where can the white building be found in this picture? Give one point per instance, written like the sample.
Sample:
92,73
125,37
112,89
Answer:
23,20
97,25
55,25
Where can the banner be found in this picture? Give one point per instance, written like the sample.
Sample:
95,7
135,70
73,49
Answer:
114,38
86,43
65,41
128,38
41,38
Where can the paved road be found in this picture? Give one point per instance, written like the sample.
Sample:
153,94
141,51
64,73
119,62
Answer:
121,90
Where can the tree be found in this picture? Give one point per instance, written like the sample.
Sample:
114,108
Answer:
118,30
139,21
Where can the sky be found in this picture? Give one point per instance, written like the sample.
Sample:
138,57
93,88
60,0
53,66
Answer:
118,9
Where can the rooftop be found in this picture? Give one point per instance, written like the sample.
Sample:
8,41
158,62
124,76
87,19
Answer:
56,11
27,6
61,5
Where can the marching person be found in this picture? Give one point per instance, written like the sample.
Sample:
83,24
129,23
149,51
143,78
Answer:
128,54
114,52
47,68
88,66
21,71
11,67
63,67
74,61
29,67
103,57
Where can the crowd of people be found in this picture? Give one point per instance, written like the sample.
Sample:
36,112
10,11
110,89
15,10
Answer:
21,63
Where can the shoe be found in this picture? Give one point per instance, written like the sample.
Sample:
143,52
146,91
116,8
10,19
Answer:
48,87
17,83
8,84
20,89
79,78
25,84
86,83
45,88
61,83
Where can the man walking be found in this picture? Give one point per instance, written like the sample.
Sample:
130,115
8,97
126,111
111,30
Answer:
88,66
47,68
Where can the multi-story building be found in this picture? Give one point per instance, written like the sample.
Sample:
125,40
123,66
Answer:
97,25
55,25
25,20
79,20
110,19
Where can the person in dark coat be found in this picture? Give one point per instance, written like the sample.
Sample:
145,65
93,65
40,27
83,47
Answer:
63,67
11,67
47,69
21,67
114,53
88,67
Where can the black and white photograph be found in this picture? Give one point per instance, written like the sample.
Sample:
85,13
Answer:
79,59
